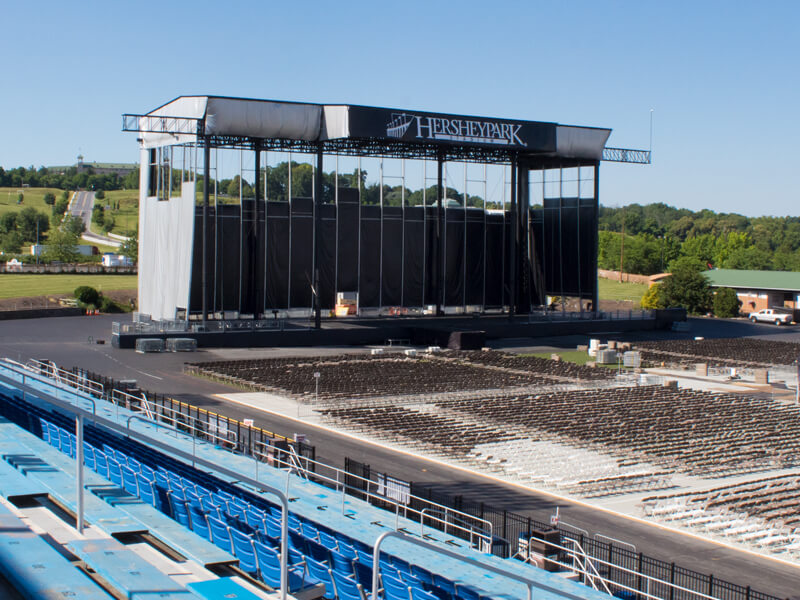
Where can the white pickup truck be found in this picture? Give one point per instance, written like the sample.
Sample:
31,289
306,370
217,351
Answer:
770,315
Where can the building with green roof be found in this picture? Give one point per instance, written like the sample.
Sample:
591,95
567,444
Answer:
759,289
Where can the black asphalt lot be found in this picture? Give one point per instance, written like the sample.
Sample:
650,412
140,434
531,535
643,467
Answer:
72,342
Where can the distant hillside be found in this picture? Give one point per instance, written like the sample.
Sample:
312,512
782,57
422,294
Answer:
657,234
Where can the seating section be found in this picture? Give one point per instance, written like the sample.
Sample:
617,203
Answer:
762,514
322,561
349,376
734,352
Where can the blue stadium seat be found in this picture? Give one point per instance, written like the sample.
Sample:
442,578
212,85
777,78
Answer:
443,587
115,472
421,594
220,534
147,491
45,430
243,550
198,521
101,464
346,588
328,541
348,550
178,509
394,588
422,574
129,483
318,552
269,570
255,518
88,455
322,573
466,592
363,575
309,531
340,563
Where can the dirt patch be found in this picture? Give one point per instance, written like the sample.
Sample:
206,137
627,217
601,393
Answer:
123,297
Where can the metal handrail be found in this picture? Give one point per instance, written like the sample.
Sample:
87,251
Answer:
376,564
588,560
616,567
170,450
466,517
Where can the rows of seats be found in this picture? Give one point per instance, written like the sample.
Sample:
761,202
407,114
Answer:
245,525
362,376
735,352
702,433
557,370
764,513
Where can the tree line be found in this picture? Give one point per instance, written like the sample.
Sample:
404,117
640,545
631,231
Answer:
69,179
648,239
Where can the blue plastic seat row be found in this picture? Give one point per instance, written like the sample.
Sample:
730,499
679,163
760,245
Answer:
242,524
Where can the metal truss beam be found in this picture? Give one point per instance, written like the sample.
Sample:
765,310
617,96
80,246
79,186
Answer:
626,155
156,124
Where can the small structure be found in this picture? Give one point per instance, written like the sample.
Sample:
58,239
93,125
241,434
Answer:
14,265
82,249
759,289
116,260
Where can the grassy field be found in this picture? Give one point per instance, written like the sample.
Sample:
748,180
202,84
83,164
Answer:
19,285
573,356
32,197
126,218
614,290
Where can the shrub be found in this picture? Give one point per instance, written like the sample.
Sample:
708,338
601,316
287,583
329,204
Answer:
100,194
87,295
49,199
652,298
107,305
726,303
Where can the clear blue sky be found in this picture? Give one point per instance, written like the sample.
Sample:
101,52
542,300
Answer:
723,77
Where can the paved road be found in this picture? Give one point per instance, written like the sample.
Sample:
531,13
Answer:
65,340
81,207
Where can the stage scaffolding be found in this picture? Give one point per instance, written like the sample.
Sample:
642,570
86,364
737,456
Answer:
273,251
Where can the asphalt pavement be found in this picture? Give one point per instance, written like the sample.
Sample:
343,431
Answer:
81,207
73,341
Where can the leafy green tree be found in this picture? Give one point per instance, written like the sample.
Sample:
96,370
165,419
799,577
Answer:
74,225
8,222
31,222
108,224
130,247
11,242
687,287
20,198
49,199
652,298
99,194
62,245
60,207
87,295
65,196
726,303
98,215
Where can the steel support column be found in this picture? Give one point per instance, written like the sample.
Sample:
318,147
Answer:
317,207
595,291
257,284
438,263
79,471
204,269
513,241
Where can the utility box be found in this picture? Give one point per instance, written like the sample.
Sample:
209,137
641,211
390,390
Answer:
546,542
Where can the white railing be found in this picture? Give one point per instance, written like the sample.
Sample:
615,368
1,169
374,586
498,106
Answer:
450,518
577,555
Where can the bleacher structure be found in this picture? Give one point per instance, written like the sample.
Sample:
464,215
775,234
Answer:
101,501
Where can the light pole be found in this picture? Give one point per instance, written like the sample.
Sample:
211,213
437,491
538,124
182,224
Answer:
316,387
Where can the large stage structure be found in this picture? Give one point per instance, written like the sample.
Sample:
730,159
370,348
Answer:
204,255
